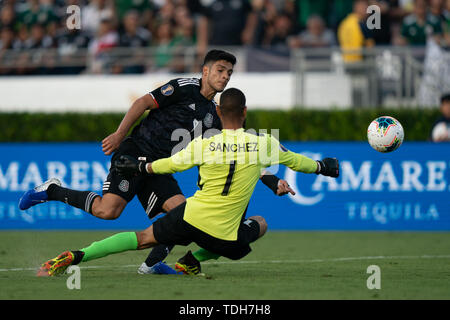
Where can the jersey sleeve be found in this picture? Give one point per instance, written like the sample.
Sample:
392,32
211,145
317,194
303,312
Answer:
185,159
297,162
168,94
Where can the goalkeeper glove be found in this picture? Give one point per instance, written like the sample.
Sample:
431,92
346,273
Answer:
128,166
328,167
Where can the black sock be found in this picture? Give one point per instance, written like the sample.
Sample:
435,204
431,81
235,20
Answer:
158,253
78,199
78,256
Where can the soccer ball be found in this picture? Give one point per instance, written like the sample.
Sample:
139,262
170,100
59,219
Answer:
385,134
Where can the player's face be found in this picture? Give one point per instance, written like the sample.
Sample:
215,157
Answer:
219,74
445,109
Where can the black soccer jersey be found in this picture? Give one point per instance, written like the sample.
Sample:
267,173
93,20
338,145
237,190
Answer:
180,106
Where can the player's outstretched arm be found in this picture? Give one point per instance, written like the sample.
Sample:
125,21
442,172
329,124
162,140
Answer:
137,109
298,162
279,186
327,167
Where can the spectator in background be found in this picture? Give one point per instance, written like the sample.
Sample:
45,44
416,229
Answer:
225,23
8,17
264,14
436,8
446,15
166,10
383,35
446,22
69,43
36,50
308,8
93,13
6,43
338,11
419,25
406,5
133,36
143,7
353,34
440,131
20,47
21,38
6,38
39,39
163,46
184,36
100,61
277,37
315,36
163,12
37,11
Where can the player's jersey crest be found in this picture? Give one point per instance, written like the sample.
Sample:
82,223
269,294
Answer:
208,120
167,90
124,185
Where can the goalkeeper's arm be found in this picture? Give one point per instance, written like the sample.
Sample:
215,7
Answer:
279,186
327,166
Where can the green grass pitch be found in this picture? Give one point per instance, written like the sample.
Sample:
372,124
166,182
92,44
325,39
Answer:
282,265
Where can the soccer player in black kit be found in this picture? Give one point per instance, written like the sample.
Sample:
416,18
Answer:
183,103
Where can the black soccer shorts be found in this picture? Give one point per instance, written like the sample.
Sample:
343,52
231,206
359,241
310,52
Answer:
152,190
173,230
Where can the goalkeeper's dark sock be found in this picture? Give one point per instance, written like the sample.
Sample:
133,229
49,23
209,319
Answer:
203,255
78,199
78,256
158,253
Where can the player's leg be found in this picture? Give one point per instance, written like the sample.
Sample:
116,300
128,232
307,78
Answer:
161,251
52,190
204,255
250,230
262,225
117,191
160,193
108,207
120,242
169,229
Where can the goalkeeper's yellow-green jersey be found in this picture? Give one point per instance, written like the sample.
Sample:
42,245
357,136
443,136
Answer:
230,165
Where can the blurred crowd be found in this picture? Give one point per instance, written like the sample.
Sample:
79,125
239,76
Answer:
168,27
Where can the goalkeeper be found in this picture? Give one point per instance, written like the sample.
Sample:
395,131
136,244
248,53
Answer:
230,165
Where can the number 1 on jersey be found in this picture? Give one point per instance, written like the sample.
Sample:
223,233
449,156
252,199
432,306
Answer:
227,186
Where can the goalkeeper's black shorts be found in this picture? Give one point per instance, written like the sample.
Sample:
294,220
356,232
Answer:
152,190
173,230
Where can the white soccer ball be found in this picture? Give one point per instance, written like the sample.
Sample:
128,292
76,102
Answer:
385,134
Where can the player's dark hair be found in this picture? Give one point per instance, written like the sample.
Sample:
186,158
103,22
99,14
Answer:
232,103
445,98
216,55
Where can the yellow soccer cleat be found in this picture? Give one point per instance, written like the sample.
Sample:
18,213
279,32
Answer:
56,266
188,264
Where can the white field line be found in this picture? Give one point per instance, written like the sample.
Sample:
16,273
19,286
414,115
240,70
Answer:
265,261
